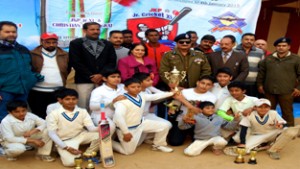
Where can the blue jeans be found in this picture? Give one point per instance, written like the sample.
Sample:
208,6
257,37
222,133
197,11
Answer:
7,97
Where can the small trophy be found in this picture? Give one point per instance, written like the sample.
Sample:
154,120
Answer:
91,156
252,159
241,152
175,76
78,162
90,165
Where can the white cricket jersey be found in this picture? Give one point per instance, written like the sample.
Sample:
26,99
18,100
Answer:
68,124
13,129
262,125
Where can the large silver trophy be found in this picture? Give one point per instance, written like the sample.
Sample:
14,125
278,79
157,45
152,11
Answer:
175,76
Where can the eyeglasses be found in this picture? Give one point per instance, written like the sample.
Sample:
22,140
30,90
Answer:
182,42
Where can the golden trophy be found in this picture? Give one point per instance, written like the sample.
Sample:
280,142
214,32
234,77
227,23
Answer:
78,162
241,152
90,165
252,159
175,76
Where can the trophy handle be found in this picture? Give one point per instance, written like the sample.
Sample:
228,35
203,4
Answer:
183,75
167,75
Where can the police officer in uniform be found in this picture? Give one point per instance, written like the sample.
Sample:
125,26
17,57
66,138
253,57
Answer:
193,62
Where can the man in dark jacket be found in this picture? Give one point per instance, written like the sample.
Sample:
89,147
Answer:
90,56
16,76
278,78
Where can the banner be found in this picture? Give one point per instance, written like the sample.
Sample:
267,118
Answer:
169,17
26,14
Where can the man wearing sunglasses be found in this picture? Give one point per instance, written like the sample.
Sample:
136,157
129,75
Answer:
184,59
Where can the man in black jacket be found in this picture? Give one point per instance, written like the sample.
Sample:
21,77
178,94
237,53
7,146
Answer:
90,56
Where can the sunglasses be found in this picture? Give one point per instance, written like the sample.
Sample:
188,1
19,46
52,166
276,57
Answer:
182,42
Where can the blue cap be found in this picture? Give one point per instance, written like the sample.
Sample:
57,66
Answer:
182,36
282,40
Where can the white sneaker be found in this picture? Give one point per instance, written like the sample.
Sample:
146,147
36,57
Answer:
11,158
164,149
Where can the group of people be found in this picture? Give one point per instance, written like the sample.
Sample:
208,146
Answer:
220,98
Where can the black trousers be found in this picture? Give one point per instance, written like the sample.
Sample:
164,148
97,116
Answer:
177,136
38,102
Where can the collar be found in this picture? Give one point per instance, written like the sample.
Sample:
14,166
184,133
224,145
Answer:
242,101
111,89
228,54
49,54
217,85
150,45
17,120
8,44
275,55
240,47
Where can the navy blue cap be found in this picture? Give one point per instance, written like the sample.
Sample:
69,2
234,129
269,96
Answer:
282,40
182,36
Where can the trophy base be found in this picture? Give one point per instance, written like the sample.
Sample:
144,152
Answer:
239,161
252,162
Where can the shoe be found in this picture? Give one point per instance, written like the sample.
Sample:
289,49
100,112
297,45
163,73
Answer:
45,158
29,148
230,151
274,155
261,147
164,149
148,141
11,158
217,151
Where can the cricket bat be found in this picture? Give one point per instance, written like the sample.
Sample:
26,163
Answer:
184,11
106,150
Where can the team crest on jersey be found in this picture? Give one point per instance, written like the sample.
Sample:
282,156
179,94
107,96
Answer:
227,21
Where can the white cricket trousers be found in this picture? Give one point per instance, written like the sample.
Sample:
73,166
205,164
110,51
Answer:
160,130
280,136
16,149
149,136
198,146
83,138
84,91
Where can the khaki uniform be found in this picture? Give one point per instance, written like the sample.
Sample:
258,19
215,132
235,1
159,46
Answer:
195,64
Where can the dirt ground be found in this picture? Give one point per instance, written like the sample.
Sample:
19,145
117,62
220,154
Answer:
145,158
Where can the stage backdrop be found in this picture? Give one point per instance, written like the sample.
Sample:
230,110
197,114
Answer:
26,14
169,17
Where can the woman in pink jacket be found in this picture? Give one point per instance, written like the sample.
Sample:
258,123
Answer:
137,61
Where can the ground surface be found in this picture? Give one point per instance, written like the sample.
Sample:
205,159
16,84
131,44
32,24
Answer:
145,158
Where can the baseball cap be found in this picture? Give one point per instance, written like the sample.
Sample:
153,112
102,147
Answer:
260,102
46,36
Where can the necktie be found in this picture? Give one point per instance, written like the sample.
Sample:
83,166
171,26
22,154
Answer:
225,57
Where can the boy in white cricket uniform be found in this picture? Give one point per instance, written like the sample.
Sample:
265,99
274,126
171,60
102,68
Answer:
220,89
19,128
207,129
266,125
151,94
198,94
131,124
107,93
66,127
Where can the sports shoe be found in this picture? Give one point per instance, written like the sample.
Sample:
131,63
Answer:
274,155
29,148
11,158
230,151
164,149
217,151
45,158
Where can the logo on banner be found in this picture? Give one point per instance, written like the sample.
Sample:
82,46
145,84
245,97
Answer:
228,21
163,21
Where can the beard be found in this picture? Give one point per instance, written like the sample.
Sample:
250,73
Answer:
50,49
